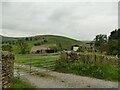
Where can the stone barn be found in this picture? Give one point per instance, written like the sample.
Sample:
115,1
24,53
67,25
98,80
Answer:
41,49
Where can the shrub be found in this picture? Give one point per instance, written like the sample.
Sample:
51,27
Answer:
23,46
7,48
54,48
100,71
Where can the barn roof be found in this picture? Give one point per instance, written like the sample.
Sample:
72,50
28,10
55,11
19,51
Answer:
77,45
41,47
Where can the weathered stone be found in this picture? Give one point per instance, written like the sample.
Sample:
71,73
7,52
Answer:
87,58
7,68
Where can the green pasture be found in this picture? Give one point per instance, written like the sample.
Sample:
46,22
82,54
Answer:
47,61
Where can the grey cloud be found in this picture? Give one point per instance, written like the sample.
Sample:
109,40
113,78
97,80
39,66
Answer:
58,15
78,20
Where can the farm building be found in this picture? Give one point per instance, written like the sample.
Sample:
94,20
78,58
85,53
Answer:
41,49
75,47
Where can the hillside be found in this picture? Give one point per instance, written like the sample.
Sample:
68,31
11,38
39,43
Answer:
64,42
51,40
7,39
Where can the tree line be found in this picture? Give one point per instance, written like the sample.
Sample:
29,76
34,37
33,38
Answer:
110,44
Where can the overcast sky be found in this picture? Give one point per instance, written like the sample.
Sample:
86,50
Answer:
78,20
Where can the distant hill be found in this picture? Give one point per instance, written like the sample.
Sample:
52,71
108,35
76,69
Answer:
7,39
52,40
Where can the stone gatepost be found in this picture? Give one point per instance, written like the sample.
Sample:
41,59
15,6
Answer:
7,68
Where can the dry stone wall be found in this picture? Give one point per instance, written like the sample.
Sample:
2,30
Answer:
7,68
88,58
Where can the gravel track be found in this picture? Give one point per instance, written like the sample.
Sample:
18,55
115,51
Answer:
62,80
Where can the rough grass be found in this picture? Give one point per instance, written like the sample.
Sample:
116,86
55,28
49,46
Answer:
20,84
100,71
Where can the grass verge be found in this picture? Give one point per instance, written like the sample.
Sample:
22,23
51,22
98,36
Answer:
100,71
20,84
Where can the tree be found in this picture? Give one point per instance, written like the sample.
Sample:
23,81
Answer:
81,49
7,48
100,42
23,46
114,42
114,34
45,40
60,46
30,38
113,47
54,48
26,38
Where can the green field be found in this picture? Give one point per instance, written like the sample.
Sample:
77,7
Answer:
47,61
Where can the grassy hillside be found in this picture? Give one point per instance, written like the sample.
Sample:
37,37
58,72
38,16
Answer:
65,42
52,40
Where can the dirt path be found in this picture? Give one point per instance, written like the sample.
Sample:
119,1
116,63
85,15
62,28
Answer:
40,82
62,80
